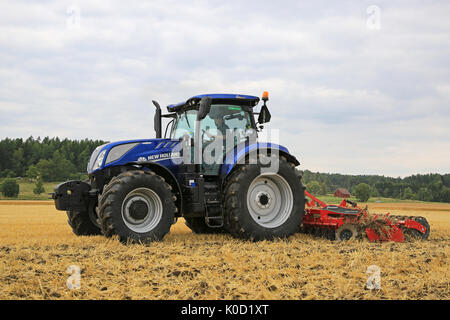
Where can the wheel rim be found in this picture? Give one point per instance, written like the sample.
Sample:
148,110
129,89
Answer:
142,210
270,200
346,234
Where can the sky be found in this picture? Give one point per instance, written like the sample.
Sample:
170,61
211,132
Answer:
356,87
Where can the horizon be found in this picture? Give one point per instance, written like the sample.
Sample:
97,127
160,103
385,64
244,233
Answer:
355,87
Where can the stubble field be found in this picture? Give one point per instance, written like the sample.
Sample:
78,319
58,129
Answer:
37,247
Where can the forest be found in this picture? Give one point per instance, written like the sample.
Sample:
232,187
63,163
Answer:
49,159
423,187
53,159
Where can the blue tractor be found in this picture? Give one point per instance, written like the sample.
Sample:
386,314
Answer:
138,188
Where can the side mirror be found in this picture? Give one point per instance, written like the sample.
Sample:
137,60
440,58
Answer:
157,120
264,115
205,107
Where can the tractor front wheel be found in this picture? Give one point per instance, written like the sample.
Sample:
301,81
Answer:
137,206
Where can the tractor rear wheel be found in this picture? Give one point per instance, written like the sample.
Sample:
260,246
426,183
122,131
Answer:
263,205
199,226
137,206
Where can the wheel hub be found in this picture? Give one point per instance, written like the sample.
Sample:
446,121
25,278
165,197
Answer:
263,200
138,209
346,234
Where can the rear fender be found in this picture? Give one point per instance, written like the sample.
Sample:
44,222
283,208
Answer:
239,154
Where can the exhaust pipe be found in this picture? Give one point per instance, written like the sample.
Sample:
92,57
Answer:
157,120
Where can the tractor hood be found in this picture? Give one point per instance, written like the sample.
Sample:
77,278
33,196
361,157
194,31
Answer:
132,151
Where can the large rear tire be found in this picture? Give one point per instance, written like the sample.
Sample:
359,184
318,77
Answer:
137,206
262,205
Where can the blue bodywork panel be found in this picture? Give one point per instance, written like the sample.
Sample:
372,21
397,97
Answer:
228,98
167,153
161,151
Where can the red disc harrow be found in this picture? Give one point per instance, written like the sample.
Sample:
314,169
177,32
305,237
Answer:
348,221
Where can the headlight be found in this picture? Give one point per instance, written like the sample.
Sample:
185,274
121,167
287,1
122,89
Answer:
98,163
94,156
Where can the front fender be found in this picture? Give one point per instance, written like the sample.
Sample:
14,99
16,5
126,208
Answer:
168,176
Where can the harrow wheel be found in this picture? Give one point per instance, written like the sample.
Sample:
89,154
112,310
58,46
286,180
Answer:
347,232
413,234
425,223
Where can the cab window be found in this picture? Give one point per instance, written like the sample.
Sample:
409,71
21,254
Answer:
220,119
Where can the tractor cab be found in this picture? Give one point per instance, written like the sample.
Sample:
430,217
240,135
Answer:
213,125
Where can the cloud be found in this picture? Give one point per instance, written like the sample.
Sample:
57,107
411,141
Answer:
346,98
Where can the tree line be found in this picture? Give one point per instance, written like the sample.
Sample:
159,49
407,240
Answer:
53,159
49,159
424,187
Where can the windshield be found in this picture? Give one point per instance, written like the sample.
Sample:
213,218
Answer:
220,119
185,124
